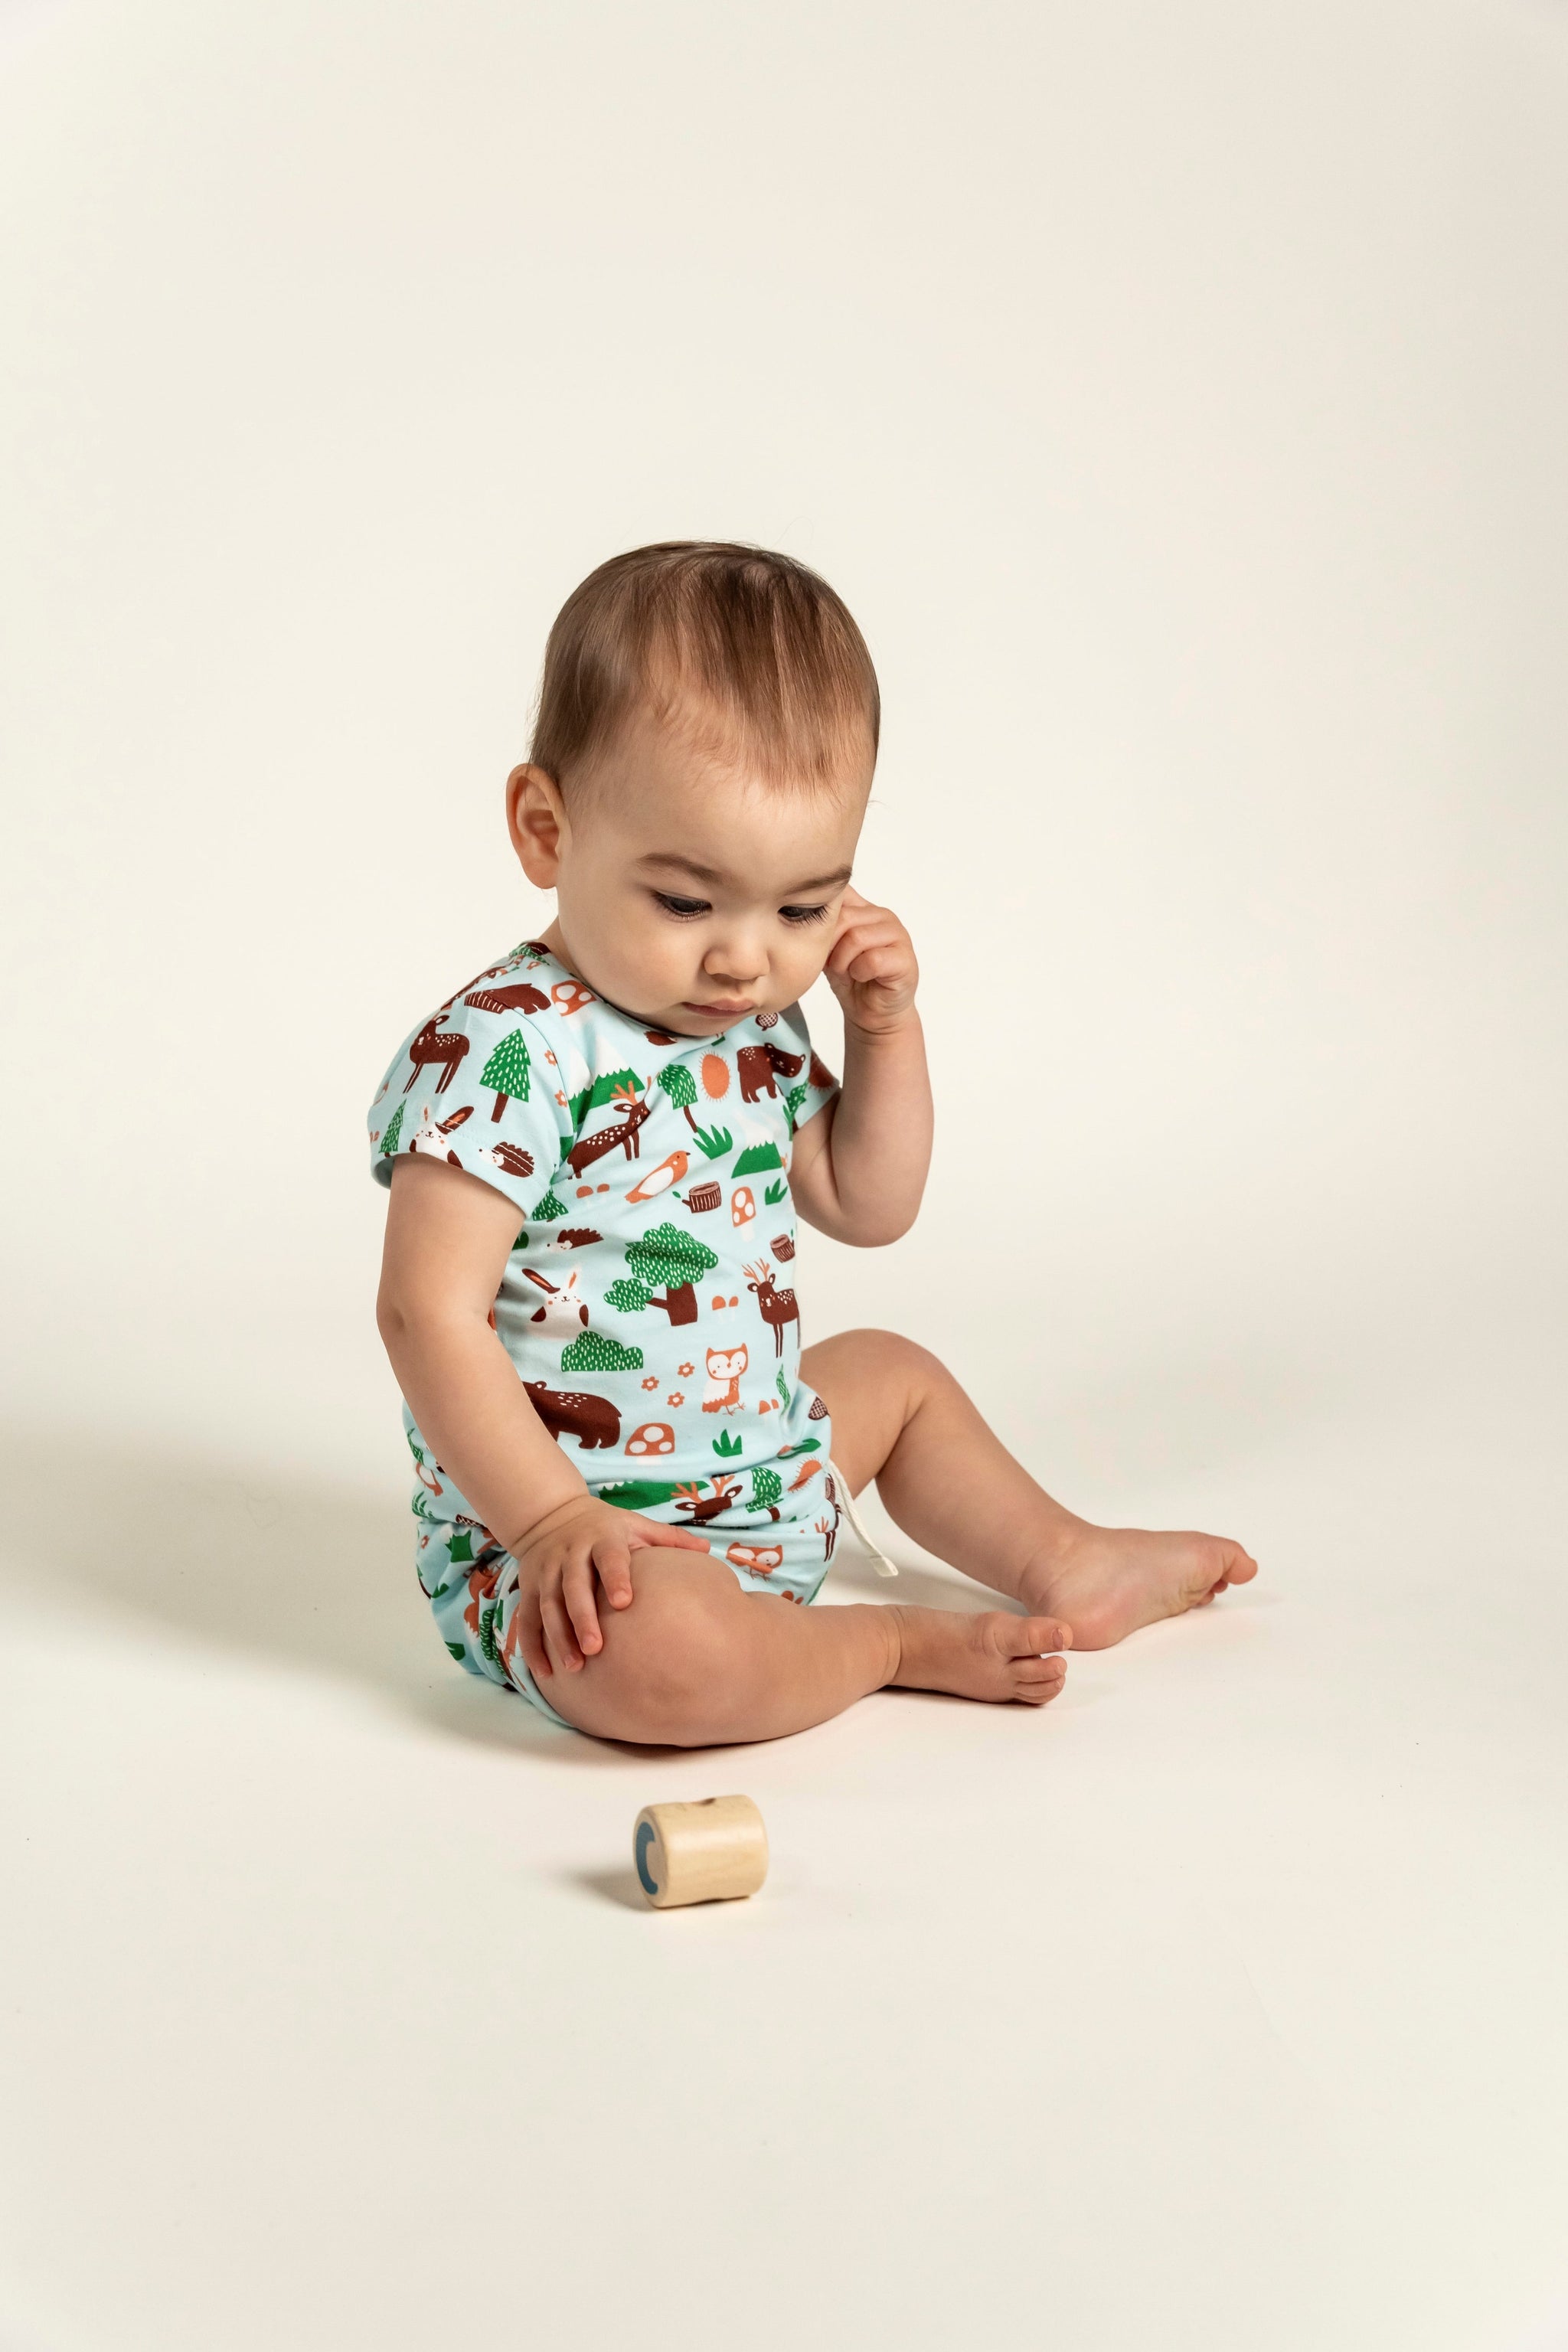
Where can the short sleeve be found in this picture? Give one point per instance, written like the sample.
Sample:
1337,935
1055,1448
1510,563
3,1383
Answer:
814,1085
478,1087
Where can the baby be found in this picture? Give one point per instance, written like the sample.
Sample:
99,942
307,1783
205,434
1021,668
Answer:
596,1151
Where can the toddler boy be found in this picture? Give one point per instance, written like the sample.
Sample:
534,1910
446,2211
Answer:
597,1149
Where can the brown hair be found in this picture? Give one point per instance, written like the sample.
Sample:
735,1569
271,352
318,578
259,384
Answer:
758,638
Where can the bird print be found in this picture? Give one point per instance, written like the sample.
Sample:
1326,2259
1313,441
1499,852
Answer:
659,1180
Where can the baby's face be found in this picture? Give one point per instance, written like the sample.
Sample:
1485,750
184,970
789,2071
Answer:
689,892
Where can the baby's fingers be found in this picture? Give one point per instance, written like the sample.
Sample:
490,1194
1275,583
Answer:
650,1532
558,1635
527,1635
577,1592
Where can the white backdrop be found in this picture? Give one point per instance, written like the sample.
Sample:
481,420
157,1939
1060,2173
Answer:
1176,395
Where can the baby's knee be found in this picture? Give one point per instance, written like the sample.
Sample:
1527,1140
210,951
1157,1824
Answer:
664,1675
886,1358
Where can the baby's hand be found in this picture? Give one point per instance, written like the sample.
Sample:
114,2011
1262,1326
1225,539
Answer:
559,1558
871,966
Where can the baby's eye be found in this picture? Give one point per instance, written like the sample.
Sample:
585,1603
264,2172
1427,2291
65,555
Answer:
683,907
803,914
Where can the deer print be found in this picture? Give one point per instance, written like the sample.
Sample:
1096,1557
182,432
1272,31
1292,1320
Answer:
635,1115
435,1044
778,1307
725,1366
688,1498
431,1136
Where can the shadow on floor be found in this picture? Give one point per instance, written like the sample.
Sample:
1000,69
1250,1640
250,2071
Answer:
295,1569
310,1575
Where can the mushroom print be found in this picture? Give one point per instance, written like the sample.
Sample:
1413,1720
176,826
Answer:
742,1206
652,1437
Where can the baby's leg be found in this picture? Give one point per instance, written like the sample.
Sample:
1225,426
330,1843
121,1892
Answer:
694,1662
899,1417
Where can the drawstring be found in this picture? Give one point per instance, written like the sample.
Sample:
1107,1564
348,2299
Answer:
880,1560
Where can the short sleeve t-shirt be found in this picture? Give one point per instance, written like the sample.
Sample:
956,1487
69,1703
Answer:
647,1302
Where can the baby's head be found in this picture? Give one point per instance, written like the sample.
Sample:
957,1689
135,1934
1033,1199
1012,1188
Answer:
706,740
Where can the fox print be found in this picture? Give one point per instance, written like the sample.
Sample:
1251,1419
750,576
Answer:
725,1366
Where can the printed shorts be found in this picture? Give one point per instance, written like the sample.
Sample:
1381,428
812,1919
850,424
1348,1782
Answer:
474,1598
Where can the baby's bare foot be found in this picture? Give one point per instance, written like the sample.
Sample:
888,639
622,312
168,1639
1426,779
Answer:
991,1656
1107,1581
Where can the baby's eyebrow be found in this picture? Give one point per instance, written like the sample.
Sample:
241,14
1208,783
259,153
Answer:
712,873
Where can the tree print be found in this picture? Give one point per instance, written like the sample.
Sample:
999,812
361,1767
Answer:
793,1103
681,1088
665,1255
548,1209
766,1489
594,1352
507,1071
395,1129
460,1547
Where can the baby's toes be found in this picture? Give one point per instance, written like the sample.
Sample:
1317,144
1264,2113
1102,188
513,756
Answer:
1037,1680
1035,1637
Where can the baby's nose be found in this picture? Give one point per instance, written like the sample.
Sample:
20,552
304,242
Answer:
739,960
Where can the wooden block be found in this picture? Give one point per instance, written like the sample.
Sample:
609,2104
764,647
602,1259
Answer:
708,1852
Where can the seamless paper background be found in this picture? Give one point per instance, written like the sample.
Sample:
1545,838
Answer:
1176,396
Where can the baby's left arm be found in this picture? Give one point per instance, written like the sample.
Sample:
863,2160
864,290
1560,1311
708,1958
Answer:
859,1167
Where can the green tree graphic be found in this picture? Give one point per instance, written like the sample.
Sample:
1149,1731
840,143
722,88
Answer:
460,1547
665,1255
681,1088
593,1351
766,1489
393,1129
507,1071
548,1209
793,1101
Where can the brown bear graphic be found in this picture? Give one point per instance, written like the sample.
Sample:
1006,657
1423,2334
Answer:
519,998
593,1420
758,1066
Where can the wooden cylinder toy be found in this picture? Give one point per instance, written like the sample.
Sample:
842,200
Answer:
708,1852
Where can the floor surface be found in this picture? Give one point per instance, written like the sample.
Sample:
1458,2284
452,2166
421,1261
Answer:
1220,2005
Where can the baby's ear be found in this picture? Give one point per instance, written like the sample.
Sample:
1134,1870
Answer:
536,819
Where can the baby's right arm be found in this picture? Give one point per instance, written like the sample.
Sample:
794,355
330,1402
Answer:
448,1236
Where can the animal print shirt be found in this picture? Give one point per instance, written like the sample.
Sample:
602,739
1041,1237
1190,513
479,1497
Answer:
647,1302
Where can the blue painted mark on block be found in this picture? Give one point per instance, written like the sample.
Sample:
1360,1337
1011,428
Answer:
645,1840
